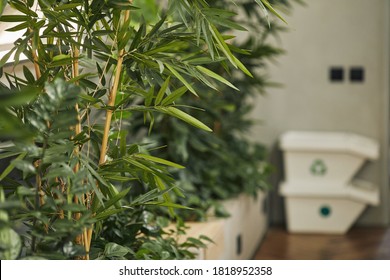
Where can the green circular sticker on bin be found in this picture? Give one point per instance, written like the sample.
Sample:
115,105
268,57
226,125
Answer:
325,211
318,167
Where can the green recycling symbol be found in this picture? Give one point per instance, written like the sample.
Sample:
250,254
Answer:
318,168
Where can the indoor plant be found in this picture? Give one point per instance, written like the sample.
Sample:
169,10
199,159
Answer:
224,165
72,168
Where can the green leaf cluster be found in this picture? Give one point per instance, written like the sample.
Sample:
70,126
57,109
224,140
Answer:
225,163
74,182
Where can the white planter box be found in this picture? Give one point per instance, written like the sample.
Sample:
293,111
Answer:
213,229
236,237
246,226
325,156
255,223
326,210
233,229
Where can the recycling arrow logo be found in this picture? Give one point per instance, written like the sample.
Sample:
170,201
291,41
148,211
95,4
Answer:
318,168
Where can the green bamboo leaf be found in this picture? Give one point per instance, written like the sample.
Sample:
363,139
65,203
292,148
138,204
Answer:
184,117
66,6
149,196
18,27
216,76
61,60
28,75
181,78
7,155
7,56
108,213
121,4
97,177
159,160
157,26
82,76
167,199
3,3
113,200
151,117
102,32
208,38
101,45
203,60
137,164
174,96
11,166
14,18
149,96
242,67
169,47
22,8
222,44
269,6
141,199
200,76
137,37
265,12
162,90
168,204
118,178
227,23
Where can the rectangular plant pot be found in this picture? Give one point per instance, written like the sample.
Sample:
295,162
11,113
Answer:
213,229
246,226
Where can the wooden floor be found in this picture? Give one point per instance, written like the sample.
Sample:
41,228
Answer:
357,244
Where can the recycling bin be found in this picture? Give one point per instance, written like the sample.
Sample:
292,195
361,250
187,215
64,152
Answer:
325,156
319,191
326,210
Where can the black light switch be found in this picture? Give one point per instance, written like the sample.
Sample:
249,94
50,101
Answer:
336,74
356,74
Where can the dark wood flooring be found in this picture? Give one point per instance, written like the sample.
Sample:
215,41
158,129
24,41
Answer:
357,244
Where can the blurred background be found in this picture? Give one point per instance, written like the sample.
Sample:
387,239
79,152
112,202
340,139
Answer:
334,77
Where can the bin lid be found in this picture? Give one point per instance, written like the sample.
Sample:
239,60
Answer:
358,190
309,141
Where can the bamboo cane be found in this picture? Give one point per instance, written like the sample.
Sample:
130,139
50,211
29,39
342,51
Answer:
107,124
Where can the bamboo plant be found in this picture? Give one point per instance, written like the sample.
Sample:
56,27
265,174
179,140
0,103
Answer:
223,164
70,86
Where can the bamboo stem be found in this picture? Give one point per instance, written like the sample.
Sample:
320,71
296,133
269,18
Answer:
111,100
36,65
81,239
107,124
35,58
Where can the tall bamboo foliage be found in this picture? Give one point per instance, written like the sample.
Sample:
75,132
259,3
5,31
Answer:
224,164
73,171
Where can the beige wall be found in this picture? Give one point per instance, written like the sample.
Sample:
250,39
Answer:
322,34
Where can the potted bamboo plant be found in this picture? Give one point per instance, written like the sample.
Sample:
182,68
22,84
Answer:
73,183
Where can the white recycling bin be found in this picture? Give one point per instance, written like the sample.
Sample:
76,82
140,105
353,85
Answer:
325,156
326,210
320,196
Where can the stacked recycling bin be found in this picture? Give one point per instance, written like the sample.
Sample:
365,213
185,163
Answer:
319,191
